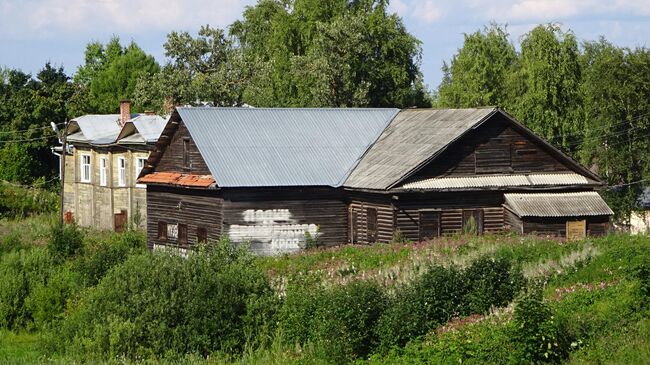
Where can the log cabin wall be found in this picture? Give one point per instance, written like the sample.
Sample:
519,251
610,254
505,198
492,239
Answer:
182,154
556,227
494,148
276,220
371,218
172,207
450,207
512,222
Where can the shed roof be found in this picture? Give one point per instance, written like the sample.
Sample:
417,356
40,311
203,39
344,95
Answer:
246,147
557,204
412,138
498,181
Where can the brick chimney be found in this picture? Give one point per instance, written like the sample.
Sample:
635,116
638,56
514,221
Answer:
125,112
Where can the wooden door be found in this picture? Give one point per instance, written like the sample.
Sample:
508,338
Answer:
120,220
371,225
354,225
475,215
576,230
429,225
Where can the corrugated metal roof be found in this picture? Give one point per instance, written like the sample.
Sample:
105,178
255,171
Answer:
410,139
557,204
283,147
496,181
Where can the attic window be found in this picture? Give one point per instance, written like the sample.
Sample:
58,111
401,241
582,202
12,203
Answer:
186,153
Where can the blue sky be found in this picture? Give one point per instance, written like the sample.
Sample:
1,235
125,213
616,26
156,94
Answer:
33,32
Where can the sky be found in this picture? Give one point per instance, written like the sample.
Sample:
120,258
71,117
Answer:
33,32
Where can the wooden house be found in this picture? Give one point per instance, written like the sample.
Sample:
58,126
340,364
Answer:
108,151
274,177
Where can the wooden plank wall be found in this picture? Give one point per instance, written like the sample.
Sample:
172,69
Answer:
172,157
494,148
275,220
385,216
512,222
451,206
193,207
556,227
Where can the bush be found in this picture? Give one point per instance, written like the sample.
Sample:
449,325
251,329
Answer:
539,336
430,300
100,257
159,303
20,272
65,241
48,299
19,201
491,282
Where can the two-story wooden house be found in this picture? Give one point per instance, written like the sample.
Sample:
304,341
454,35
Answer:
107,155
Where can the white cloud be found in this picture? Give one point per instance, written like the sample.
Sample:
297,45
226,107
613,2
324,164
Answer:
40,18
426,11
399,7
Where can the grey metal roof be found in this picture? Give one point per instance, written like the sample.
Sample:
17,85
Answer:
150,126
557,204
283,147
496,181
410,140
95,128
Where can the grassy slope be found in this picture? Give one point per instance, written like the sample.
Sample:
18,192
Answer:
586,280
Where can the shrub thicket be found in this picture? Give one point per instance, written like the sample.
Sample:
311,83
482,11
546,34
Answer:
539,336
65,241
159,303
20,201
443,293
20,273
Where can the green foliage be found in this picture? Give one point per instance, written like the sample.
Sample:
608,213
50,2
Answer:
65,241
110,74
443,293
48,299
339,321
19,201
159,303
478,73
313,241
539,336
20,273
100,257
27,106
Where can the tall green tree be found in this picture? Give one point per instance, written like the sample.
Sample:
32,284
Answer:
477,74
110,74
202,69
27,106
544,89
616,93
329,53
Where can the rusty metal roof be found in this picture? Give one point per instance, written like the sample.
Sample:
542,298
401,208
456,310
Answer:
283,146
178,179
413,137
557,204
498,181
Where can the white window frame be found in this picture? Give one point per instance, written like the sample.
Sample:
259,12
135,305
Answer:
85,168
121,171
138,166
103,171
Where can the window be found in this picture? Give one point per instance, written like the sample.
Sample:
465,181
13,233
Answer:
371,225
139,165
121,171
201,234
85,168
102,171
186,153
162,230
182,234
473,221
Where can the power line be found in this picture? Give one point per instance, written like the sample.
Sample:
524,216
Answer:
30,130
26,140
